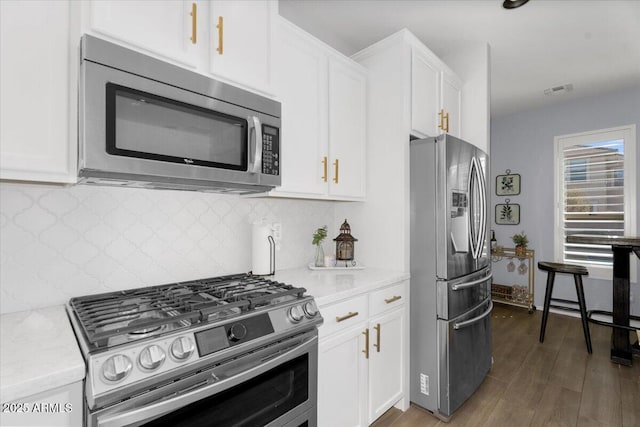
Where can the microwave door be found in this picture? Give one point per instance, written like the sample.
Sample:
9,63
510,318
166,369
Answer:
158,132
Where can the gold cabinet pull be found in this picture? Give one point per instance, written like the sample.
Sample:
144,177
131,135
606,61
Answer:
336,166
392,299
441,114
194,23
366,343
220,28
324,168
377,345
446,117
346,316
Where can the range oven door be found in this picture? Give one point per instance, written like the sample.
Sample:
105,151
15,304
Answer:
262,388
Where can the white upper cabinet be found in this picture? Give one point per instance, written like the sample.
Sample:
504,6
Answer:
302,90
167,28
35,85
425,94
230,40
435,96
451,103
323,97
347,129
241,41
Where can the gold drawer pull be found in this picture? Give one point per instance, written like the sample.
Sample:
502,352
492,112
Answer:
377,328
336,165
220,28
324,168
348,316
392,299
366,343
194,23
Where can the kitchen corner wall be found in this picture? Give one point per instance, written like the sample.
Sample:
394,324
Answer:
62,242
523,143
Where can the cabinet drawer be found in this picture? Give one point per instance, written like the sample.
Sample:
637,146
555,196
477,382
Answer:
388,298
344,314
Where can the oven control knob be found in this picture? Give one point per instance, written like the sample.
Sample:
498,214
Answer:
182,348
296,314
310,309
237,331
116,368
151,357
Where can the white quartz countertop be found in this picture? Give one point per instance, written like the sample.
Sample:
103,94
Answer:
38,352
334,285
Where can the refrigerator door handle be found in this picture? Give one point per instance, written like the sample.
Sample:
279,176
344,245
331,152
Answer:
477,230
471,284
475,319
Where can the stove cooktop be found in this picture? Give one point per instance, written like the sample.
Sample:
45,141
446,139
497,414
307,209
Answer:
115,318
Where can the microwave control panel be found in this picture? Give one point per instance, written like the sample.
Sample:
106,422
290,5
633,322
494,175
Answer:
270,150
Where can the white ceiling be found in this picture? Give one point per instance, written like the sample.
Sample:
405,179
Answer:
595,45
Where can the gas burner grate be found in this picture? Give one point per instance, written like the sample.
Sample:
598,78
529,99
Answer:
158,309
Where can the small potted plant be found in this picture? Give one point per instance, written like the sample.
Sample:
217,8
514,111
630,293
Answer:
318,236
520,240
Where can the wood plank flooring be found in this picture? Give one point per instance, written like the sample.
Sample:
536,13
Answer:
556,383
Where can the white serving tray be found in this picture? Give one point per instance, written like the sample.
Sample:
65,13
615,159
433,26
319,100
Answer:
342,268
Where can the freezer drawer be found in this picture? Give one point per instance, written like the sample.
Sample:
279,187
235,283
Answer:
464,347
455,297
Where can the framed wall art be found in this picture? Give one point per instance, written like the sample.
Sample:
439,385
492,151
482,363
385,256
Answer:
507,213
508,184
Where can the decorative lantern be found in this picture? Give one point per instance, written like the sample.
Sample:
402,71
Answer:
344,244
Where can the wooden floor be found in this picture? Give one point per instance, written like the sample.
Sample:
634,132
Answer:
556,383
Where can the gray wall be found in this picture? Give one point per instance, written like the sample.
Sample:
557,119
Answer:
523,142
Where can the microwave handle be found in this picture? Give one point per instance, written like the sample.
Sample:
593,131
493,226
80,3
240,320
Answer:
255,140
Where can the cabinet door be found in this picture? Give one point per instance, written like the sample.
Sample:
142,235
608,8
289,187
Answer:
34,82
347,130
425,95
452,102
300,80
386,362
240,48
163,27
342,379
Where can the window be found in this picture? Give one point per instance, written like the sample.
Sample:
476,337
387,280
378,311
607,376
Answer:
595,174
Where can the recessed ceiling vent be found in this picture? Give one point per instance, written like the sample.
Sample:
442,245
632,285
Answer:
557,90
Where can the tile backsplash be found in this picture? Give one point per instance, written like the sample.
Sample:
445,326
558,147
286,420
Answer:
61,242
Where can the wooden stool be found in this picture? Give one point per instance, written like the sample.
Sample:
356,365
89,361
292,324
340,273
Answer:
578,271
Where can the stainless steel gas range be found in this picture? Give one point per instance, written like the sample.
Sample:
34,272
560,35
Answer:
236,350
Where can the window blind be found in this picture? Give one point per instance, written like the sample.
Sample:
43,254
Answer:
593,199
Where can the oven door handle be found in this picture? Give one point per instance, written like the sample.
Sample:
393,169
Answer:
163,407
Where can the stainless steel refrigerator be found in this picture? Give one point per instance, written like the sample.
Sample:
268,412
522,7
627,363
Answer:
450,273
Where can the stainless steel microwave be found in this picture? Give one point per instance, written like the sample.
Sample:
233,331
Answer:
146,123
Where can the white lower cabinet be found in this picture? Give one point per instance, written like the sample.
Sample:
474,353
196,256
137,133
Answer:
342,379
362,362
386,367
